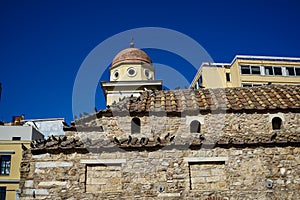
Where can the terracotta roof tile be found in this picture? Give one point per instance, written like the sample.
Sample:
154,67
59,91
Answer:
248,98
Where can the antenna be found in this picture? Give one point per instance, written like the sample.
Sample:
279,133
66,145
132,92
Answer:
132,43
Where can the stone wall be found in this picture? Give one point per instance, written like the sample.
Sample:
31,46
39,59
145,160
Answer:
214,126
234,173
240,157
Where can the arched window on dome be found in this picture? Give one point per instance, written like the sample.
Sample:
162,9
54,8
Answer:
195,126
135,125
276,123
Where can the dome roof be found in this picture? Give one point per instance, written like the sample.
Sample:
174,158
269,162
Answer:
131,55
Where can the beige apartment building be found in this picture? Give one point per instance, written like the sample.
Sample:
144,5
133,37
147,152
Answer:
245,71
14,139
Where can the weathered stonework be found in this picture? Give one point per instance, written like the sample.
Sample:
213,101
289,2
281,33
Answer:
243,176
236,154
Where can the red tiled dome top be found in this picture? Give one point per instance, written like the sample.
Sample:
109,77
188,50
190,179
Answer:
131,55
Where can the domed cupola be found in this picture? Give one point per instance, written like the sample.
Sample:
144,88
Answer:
131,72
131,64
131,55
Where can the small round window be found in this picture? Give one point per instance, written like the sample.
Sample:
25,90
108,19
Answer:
131,71
147,73
116,74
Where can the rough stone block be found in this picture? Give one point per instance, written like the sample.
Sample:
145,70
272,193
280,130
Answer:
29,183
47,184
36,191
53,164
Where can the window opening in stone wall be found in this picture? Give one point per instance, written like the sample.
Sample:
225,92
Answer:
209,175
135,125
276,123
2,193
195,127
4,164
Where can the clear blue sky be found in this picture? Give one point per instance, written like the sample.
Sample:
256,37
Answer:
43,43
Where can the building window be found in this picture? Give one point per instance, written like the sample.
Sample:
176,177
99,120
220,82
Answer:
290,71
228,77
195,126
148,74
2,193
4,164
135,125
247,69
250,84
16,138
277,71
200,80
273,70
116,74
297,71
269,70
131,71
276,123
255,70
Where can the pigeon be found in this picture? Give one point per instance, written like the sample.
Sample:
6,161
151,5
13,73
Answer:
273,136
158,139
24,147
32,144
53,138
172,138
201,137
116,140
134,140
146,141
129,139
64,138
166,136
65,124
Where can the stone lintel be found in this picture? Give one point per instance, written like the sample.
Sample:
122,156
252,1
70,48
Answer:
164,195
104,161
205,159
53,164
